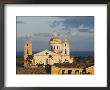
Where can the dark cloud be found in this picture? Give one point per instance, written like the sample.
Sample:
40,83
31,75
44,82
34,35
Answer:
70,22
55,24
20,22
49,35
83,30
42,35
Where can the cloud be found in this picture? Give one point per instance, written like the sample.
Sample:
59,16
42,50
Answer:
49,35
67,23
83,28
42,35
20,22
54,24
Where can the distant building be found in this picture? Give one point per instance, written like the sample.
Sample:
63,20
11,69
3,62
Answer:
90,70
71,70
65,70
59,52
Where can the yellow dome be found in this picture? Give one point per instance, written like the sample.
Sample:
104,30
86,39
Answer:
55,38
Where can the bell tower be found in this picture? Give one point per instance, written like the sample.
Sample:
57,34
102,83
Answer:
66,47
27,49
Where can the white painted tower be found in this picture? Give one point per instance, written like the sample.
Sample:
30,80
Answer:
66,47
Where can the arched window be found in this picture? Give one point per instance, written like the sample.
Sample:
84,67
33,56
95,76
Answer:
51,47
27,44
57,47
65,44
65,51
27,51
54,47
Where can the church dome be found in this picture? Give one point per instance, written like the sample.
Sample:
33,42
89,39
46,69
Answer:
55,38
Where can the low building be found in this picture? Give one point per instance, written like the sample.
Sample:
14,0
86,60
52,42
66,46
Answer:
62,70
90,70
71,70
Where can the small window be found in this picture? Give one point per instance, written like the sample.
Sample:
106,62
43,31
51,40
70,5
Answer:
27,51
65,51
69,71
57,47
27,44
51,47
63,71
54,47
46,61
65,44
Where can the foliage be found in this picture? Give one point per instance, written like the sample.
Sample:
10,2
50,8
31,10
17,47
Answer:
79,62
19,58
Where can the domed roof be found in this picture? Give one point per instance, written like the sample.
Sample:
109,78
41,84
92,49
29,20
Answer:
55,38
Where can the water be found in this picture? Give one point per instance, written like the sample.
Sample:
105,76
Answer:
74,53
82,53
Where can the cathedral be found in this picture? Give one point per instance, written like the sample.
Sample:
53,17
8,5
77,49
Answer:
58,52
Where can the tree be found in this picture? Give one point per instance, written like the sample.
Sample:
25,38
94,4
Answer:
50,57
29,60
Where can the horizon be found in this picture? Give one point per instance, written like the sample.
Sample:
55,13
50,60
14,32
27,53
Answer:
75,53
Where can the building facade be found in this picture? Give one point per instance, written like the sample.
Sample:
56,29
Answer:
58,52
73,70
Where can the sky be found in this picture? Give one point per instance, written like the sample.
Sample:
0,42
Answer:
78,29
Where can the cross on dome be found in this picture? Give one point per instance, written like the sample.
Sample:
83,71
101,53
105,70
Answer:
55,34
65,39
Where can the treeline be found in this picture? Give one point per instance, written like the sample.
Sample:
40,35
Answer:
19,61
84,61
78,62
